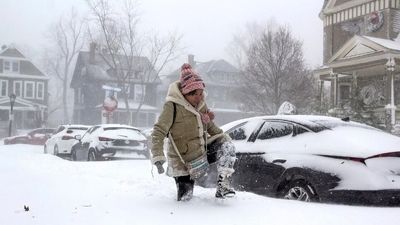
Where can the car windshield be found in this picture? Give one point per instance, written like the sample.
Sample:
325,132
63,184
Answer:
77,128
116,132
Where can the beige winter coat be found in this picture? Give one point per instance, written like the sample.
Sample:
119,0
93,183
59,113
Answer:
187,132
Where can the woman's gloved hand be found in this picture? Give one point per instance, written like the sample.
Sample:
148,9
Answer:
159,165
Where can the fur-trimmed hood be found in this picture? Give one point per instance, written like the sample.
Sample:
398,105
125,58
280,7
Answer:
175,95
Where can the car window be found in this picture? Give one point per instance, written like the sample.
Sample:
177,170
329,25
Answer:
94,129
275,130
244,130
299,130
60,128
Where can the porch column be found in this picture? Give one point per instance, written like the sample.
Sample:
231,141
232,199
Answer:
354,92
321,95
335,89
390,67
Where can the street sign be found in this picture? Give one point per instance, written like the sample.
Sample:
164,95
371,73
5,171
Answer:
110,104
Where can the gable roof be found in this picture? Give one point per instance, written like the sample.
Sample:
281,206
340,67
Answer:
205,69
11,51
360,46
100,70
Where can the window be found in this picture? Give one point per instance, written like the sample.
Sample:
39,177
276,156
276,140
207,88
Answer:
40,90
11,66
29,89
139,92
275,130
3,88
18,88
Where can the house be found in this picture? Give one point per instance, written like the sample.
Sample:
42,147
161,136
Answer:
361,58
19,76
220,78
93,80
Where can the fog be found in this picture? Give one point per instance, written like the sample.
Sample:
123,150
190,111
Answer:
207,26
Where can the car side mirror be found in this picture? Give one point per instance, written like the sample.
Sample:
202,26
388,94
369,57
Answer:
78,137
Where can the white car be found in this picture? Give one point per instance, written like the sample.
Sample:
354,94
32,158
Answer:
107,141
314,158
61,141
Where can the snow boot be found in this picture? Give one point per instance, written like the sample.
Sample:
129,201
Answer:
224,188
184,187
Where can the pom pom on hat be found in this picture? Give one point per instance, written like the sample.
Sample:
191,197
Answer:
189,79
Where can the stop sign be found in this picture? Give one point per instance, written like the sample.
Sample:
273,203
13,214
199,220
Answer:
110,104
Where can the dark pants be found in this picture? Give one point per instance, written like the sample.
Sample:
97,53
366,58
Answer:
221,152
184,186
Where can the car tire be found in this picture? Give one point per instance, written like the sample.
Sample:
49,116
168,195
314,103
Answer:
56,150
92,155
73,155
299,190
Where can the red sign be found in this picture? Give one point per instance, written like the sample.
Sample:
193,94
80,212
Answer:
110,104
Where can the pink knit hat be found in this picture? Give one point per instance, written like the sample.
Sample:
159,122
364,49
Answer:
190,80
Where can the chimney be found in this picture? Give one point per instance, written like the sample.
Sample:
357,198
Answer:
191,60
92,52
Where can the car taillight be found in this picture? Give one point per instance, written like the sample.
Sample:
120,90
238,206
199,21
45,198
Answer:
355,159
105,139
67,137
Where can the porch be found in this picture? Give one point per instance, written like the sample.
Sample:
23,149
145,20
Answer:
362,81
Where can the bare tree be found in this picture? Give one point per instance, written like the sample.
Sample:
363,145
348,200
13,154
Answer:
132,56
274,69
66,38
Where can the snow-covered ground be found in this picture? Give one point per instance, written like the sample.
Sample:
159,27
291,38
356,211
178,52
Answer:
61,192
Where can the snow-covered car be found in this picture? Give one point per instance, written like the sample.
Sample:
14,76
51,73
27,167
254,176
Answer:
110,141
34,137
60,143
315,158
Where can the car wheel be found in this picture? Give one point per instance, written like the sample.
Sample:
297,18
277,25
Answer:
300,190
91,155
56,150
73,155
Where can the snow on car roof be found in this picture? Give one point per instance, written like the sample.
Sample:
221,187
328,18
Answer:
341,138
75,125
307,120
117,125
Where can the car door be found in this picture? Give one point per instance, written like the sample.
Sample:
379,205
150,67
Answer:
267,169
242,136
82,147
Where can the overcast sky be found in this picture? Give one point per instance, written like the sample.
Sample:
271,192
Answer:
207,25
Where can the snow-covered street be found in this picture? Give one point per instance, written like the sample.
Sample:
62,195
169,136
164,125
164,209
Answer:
63,192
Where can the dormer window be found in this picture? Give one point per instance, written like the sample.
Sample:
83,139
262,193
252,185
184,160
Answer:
10,66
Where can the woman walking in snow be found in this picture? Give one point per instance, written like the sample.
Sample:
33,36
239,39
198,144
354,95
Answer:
186,120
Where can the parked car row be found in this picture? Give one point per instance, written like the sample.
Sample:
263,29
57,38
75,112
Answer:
298,157
88,143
